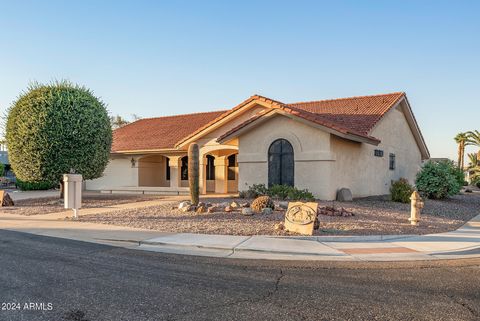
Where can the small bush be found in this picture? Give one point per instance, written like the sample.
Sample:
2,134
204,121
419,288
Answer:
401,190
254,191
2,169
283,192
34,186
438,180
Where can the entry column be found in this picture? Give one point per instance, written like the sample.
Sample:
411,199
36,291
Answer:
173,162
221,175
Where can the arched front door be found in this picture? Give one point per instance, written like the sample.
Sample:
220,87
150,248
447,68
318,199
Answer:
281,164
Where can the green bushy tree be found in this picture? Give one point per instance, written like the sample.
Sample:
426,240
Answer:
439,180
54,128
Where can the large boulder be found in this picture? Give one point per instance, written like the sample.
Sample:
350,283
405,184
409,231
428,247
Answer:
344,195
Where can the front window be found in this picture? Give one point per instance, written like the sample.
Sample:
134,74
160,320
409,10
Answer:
231,167
167,172
184,169
210,167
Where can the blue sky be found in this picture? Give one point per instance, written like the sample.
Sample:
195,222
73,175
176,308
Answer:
156,58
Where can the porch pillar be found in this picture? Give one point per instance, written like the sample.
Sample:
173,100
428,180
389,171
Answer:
221,175
203,175
173,162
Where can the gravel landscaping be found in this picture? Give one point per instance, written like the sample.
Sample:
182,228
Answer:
373,215
45,205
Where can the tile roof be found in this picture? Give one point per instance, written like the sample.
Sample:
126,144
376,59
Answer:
159,132
359,114
354,116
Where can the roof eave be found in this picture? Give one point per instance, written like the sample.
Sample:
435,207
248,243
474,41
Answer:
277,111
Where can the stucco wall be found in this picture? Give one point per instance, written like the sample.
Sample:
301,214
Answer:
324,162
152,171
313,159
357,168
118,173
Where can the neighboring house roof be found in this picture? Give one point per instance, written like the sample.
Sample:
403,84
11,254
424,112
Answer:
158,133
352,118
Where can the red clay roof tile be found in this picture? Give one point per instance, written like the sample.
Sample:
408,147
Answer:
160,132
354,115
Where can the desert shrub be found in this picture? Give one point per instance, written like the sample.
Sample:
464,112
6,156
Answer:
254,191
475,182
34,186
401,190
277,191
438,180
457,173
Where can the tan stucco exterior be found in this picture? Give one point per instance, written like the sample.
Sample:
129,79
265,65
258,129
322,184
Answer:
323,161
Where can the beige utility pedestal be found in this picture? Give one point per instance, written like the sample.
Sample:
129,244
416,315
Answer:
416,208
73,192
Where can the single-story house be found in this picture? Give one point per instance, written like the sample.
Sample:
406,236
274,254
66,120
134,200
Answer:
361,143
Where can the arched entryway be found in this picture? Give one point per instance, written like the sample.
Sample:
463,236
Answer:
281,164
153,171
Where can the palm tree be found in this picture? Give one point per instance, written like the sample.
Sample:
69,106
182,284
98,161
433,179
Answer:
461,140
473,161
473,139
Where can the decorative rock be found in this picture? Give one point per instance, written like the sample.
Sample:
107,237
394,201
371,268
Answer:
316,224
228,209
186,208
267,211
6,200
184,204
279,226
468,190
212,209
283,205
247,211
344,195
246,204
201,209
201,204
234,204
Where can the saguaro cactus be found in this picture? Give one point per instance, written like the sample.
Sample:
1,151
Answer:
193,172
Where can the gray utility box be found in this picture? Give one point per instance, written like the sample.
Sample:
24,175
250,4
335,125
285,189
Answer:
73,191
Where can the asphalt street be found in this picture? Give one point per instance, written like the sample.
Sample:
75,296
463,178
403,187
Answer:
43,278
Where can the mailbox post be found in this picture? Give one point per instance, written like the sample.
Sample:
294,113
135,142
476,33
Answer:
73,192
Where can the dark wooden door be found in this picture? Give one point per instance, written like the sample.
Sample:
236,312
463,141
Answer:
281,164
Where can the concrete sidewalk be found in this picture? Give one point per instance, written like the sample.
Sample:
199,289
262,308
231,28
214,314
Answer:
462,243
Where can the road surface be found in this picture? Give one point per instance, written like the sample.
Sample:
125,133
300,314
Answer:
43,278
